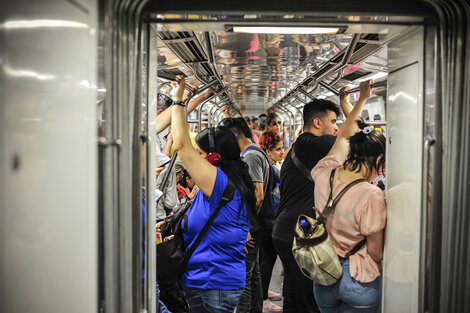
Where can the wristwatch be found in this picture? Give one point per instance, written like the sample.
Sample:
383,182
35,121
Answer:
182,103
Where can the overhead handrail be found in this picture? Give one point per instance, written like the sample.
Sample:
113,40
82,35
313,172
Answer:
344,62
374,85
190,51
334,65
326,86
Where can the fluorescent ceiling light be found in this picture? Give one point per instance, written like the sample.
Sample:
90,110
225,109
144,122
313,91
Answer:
283,30
41,23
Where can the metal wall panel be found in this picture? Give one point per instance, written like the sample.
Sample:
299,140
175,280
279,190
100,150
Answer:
404,163
48,216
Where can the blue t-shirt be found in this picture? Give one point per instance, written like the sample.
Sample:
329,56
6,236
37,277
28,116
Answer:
219,260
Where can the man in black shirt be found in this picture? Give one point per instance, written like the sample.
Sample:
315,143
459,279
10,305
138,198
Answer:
297,198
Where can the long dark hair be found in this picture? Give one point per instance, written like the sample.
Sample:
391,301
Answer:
231,164
367,146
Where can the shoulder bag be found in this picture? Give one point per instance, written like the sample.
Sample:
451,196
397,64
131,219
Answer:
312,248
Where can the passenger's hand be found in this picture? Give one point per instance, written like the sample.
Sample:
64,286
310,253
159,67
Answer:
178,96
366,89
188,94
169,138
193,192
168,238
159,225
343,93
250,242
208,93
159,170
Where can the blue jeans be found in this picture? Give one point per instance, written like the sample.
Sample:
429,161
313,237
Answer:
349,295
212,300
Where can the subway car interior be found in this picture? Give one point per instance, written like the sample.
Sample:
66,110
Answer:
80,81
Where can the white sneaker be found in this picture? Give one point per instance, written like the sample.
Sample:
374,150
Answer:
274,296
271,307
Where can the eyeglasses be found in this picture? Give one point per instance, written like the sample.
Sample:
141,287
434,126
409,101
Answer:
276,123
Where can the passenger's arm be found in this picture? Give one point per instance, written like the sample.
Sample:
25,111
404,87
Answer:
167,148
259,193
340,148
375,245
201,170
346,105
164,118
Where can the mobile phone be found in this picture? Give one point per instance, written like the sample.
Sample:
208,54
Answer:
158,193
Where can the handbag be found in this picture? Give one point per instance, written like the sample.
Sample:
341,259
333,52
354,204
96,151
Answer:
312,248
172,255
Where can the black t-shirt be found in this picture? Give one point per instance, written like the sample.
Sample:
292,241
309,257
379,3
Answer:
296,189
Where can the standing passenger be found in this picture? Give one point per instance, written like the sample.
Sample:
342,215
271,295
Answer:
214,278
251,300
297,198
273,123
272,144
360,214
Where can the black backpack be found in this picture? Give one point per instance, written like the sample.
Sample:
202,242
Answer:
271,195
172,256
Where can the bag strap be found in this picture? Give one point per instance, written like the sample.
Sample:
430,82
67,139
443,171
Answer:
167,175
302,168
331,204
356,248
256,148
227,196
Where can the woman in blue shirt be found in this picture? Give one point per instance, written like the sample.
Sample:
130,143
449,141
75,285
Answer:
215,275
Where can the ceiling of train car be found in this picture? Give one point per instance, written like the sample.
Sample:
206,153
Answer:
260,69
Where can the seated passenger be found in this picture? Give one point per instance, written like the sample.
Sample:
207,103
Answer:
215,274
361,213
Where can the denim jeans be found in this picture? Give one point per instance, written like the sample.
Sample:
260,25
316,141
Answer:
349,295
251,300
212,300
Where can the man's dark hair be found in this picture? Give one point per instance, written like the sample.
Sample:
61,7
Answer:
318,108
238,125
163,101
